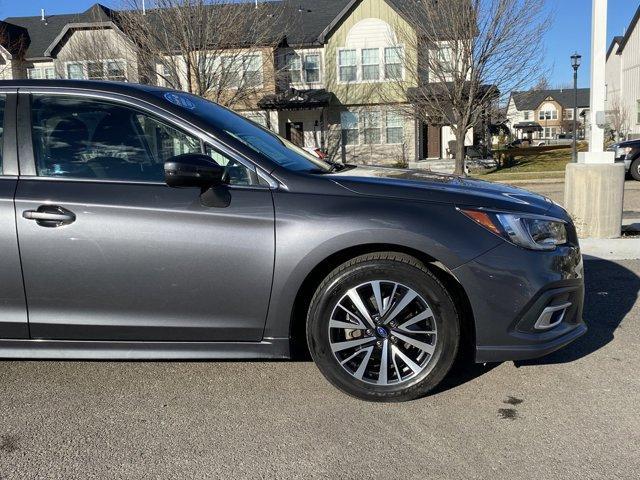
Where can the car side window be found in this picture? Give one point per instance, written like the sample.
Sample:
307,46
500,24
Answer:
2,102
81,137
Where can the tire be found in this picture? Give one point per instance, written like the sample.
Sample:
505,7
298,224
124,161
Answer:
395,277
634,169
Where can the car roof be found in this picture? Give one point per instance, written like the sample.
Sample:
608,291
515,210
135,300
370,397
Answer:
102,85
629,142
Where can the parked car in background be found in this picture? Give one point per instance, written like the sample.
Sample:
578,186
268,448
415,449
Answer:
628,152
316,152
139,222
519,143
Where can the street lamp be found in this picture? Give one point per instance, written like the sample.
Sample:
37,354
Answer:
575,63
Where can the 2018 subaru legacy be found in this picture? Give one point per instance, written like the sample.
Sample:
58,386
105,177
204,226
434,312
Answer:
142,223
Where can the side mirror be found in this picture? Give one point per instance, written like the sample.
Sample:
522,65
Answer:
192,170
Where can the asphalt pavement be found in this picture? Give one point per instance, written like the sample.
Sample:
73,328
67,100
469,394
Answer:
573,414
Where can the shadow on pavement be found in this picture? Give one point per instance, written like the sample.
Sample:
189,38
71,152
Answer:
611,291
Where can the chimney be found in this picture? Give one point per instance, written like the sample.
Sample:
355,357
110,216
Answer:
42,18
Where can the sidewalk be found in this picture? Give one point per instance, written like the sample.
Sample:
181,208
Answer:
610,249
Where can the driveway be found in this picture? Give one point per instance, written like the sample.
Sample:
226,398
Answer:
574,414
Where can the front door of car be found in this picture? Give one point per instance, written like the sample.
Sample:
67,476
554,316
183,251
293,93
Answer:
110,252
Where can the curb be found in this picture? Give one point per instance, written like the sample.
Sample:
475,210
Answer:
531,182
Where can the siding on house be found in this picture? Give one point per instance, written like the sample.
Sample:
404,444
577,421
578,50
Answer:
623,74
373,35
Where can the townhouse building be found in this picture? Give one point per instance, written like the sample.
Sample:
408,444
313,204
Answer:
336,63
623,78
545,114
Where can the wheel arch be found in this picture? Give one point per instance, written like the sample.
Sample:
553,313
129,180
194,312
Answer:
297,319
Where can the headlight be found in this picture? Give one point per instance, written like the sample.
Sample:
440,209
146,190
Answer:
535,232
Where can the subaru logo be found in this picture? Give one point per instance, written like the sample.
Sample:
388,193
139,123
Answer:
381,331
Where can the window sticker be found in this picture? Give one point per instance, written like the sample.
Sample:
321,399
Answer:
180,100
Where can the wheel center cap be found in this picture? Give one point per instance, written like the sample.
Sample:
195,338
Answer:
382,332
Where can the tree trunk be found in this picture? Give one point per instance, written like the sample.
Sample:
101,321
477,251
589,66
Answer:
459,135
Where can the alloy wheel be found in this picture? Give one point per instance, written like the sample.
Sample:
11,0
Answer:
383,332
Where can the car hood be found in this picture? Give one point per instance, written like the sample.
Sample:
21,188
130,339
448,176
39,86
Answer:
427,186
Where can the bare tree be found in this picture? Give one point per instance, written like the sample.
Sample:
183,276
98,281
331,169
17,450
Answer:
542,84
212,48
618,119
12,47
460,55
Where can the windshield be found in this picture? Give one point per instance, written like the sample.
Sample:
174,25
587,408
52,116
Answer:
258,138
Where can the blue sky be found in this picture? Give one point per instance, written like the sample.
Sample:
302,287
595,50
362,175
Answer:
569,32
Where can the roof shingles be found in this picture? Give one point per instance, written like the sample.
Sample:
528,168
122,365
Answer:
530,100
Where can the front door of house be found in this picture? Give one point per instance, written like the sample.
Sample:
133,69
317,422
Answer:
434,141
295,133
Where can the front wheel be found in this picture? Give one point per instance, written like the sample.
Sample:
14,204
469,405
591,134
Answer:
381,327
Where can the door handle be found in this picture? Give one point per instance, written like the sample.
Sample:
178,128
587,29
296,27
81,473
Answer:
50,216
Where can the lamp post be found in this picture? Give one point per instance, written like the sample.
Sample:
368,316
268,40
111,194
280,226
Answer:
575,63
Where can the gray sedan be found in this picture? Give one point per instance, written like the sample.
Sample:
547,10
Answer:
144,223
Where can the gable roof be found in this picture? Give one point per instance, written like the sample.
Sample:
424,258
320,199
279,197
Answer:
13,39
407,9
531,99
632,26
615,41
42,34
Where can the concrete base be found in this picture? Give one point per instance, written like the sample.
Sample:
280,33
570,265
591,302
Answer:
593,195
596,157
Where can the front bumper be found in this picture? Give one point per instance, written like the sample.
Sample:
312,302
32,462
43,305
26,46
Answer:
512,289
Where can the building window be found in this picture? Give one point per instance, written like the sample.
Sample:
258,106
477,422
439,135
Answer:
549,132
39,73
252,70
168,77
241,70
94,70
293,65
115,70
395,128
548,115
567,114
526,114
371,127
370,63
231,74
349,124
312,67
348,66
393,63
97,70
75,71
301,68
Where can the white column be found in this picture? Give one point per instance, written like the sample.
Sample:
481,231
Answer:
594,187
598,86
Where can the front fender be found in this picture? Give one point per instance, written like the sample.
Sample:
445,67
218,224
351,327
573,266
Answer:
310,228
